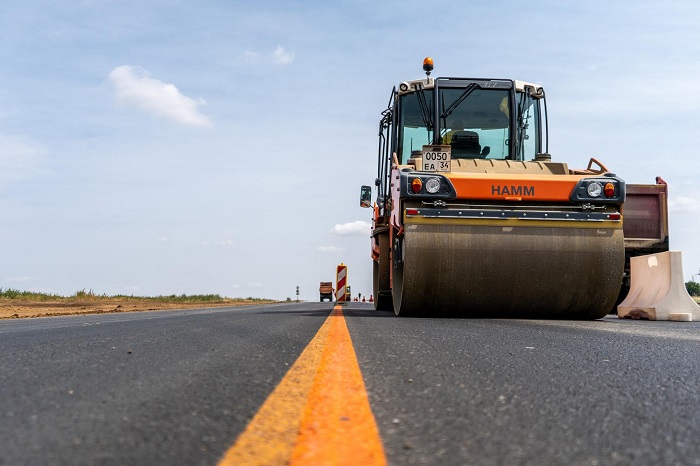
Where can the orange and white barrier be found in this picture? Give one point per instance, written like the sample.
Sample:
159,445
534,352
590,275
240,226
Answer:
657,290
341,284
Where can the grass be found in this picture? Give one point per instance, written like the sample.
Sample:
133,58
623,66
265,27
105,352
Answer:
82,295
11,293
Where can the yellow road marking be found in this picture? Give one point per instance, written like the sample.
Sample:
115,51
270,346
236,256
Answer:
318,414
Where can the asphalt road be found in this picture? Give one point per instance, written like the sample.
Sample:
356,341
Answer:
178,387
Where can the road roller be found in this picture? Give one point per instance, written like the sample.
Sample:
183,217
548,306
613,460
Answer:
472,216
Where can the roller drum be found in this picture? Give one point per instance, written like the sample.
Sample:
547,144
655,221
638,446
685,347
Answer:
528,272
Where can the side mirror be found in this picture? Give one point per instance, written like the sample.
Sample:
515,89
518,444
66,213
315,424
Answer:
366,196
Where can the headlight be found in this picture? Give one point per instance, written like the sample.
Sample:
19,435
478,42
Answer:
606,189
594,189
432,185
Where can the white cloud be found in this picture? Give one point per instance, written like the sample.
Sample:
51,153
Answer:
684,204
255,285
329,249
359,227
279,56
282,56
162,239
226,242
135,88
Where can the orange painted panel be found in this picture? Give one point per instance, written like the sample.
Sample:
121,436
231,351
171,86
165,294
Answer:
499,186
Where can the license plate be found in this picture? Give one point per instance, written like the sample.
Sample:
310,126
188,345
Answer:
437,158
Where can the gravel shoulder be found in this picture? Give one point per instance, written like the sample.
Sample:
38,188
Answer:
17,309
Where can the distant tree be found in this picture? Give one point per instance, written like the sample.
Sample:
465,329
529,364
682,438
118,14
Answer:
693,288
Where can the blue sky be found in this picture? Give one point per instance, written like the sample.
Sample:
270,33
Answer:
158,147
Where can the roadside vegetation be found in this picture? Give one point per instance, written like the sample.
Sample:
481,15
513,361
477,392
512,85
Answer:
82,295
693,290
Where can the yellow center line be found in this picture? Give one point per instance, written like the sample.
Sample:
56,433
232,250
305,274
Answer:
318,414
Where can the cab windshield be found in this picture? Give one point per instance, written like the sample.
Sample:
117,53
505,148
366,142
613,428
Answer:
475,121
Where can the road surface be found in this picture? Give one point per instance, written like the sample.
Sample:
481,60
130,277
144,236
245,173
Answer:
181,387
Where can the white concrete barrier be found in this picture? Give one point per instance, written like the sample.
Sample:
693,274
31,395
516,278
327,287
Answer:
657,290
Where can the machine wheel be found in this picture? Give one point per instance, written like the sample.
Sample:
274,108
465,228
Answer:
381,283
402,307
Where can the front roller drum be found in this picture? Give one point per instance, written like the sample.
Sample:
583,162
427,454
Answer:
522,272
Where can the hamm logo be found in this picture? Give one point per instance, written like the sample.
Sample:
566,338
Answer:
512,190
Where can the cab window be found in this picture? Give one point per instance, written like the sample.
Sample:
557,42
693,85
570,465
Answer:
415,126
528,129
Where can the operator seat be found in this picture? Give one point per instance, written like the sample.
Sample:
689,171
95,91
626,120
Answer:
465,145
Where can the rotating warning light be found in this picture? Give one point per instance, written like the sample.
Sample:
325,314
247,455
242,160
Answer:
428,65
416,185
594,189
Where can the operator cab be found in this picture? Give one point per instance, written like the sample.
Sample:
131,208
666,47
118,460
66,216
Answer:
479,118
461,124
